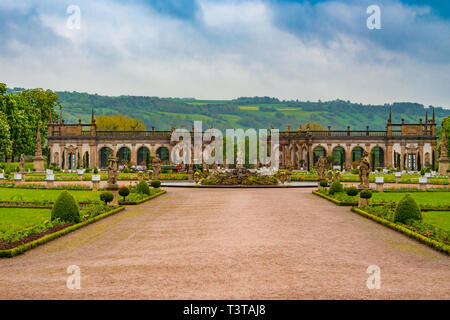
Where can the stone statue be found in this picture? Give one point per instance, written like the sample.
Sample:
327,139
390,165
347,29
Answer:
156,167
240,159
330,175
22,163
364,171
112,170
444,161
321,166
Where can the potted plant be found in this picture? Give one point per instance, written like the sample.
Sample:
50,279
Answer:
364,198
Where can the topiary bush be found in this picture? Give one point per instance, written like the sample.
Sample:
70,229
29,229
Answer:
323,183
143,188
155,184
95,170
336,187
124,192
407,209
106,197
365,194
66,208
351,191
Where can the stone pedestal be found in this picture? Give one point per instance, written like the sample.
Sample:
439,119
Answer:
19,178
50,184
38,164
380,187
114,189
95,185
140,176
379,182
423,184
444,165
363,202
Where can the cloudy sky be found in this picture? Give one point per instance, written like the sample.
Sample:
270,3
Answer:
305,50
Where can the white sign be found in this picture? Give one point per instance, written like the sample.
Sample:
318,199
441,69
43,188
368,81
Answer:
423,180
80,172
50,177
427,175
95,177
398,174
379,179
48,171
385,170
1,176
17,176
336,167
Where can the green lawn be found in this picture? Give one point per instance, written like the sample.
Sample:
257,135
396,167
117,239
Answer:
438,218
49,195
422,198
12,220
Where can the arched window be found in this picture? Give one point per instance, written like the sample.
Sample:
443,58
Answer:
104,156
143,156
163,154
124,155
317,153
339,157
357,154
377,157
86,160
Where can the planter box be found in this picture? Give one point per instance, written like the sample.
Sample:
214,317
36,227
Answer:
17,176
379,180
96,178
50,177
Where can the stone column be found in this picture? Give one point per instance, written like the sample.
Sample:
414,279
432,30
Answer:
134,155
388,156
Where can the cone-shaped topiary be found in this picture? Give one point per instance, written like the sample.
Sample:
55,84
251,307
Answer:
143,188
336,187
407,209
65,208
156,184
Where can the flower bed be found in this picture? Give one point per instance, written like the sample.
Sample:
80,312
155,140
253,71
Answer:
341,198
140,198
14,243
428,234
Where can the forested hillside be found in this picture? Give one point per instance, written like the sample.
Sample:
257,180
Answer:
258,112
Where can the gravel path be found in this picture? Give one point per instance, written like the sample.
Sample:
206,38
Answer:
230,244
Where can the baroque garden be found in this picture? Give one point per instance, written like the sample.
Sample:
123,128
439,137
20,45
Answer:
396,177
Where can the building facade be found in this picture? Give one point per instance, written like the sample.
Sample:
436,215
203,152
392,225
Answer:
401,145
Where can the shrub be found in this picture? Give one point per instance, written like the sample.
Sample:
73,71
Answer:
323,183
407,209
106,197
124,192
126,170
95,170
355,171
65,208
88,170
155,184
365,194
422,171
336,187
379,169
351,191
143,188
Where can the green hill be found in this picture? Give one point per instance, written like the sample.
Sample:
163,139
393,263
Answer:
257,112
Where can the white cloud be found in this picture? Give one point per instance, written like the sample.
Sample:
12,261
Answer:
232,49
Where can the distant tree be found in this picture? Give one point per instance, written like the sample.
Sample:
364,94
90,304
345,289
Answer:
120,123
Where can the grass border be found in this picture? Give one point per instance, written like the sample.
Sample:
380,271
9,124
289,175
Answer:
339,203
27,246
429,242
135,203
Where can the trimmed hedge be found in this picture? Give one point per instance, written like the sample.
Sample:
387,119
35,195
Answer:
407,209
136,202
66,208
339,203
27,246
336,187
143,188
430,242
